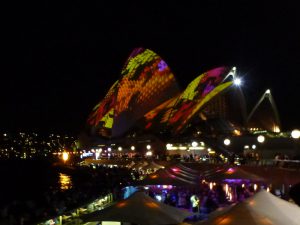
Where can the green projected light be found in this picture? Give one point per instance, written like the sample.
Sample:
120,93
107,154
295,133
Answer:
146,82
175,115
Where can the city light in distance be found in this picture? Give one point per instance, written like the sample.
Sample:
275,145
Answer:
169,146
65,156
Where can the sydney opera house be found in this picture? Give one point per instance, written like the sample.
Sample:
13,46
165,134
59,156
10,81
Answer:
146,105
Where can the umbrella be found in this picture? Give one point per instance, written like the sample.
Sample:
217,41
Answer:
140,209
263,208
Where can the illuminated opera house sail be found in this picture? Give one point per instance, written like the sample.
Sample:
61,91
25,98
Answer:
147,99
146,82
264,115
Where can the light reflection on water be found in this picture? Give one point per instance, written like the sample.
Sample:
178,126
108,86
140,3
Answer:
65,181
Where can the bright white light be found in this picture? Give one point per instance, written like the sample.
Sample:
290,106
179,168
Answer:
148,147
132,148
149,153
194,144
295,134
226,188
253,146
109,149
227,141
158,198
237,81
169,146
261,138
120,148
97,154
268,91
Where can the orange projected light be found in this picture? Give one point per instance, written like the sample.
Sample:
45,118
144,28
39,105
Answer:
146,82
152,205
121,204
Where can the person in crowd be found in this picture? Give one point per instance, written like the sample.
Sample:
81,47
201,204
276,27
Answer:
195,202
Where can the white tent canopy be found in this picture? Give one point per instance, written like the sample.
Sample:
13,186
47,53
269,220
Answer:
262,208
140,209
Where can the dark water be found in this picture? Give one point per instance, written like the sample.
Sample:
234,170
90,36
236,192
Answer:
23,180
28,186
32,191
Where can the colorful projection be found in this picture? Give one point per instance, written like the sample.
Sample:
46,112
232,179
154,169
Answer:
176,113
147,93
146,82
102,115
199,91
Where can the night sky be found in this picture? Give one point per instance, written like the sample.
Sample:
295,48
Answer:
60,57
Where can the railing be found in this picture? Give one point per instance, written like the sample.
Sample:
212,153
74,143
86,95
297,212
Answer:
72,217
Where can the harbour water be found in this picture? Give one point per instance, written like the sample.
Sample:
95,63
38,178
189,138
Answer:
33,186
34,191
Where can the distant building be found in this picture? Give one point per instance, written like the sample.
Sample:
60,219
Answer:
146,106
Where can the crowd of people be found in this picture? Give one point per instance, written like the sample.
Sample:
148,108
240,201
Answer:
88,184
201,200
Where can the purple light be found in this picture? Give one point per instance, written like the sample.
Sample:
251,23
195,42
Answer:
208,89
162,65
236,181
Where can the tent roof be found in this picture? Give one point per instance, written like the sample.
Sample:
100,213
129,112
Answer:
262,208
166,177
275,175
140,209
234,173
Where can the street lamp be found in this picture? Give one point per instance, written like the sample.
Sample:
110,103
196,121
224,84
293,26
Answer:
194,144
132,148
295,134
261,138
148,147
227,141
